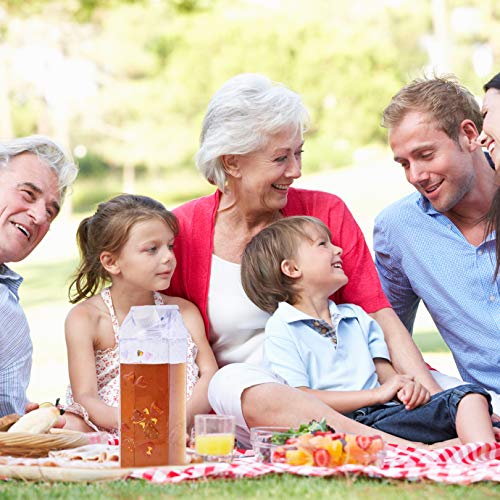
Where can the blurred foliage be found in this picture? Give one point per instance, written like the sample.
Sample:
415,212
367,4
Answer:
170,187
93,166
137,75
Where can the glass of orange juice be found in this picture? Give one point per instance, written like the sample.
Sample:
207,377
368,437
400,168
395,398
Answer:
214,437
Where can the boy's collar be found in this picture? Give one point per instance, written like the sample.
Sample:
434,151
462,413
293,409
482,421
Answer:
290,314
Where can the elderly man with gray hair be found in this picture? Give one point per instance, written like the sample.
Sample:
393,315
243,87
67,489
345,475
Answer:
35,174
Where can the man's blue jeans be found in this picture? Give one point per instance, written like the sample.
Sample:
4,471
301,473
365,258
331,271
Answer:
429,423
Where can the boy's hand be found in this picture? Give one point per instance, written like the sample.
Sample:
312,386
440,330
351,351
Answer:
413,394
392,386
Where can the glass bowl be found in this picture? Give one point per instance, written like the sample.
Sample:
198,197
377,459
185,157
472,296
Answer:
265,450
324,449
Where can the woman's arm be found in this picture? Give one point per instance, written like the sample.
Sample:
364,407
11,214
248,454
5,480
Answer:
80,329
205,360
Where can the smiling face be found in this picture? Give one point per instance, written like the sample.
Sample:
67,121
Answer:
320,263
490,136
261,179
438,167
29,202
147,260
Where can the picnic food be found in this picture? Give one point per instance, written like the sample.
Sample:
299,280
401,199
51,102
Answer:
214,444
8,420
330,450
317,444
38,421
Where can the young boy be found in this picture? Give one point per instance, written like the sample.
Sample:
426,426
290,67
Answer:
338,353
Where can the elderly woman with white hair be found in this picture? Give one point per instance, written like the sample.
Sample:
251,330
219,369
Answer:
251,150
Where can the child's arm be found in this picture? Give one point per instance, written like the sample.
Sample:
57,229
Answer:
80,328
349,401
205,360
283,358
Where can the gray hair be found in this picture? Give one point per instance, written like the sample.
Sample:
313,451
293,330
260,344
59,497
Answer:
241,116
48,151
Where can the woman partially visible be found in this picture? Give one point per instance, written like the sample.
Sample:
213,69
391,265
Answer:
490,139
251,150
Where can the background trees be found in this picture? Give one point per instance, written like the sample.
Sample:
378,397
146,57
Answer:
126,82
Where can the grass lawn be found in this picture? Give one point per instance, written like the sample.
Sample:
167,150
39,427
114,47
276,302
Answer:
265,488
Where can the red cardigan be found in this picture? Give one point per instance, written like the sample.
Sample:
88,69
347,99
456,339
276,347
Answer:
193,248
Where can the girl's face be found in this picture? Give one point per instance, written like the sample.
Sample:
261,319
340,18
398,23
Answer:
490,136
146,260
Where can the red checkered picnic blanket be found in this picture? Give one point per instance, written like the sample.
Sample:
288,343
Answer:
463,464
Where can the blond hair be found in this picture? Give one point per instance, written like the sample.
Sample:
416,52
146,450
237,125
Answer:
261,276
443,99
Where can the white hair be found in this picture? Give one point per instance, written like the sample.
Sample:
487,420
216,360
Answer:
48,151
241,117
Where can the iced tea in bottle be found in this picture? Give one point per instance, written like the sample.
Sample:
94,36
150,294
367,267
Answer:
153,351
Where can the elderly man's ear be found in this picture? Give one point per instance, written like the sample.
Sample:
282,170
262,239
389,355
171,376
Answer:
110,263
290,268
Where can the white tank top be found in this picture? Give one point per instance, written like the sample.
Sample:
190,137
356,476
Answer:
236,323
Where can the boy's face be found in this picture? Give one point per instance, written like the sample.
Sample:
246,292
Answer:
319,263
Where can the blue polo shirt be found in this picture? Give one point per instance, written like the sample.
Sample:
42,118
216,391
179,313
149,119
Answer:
15,345
297,352
422,256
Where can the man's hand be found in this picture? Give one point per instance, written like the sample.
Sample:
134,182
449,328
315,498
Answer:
61,421
413,394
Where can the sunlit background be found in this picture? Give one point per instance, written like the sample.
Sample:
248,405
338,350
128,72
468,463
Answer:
124,86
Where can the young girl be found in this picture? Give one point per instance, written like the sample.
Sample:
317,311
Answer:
127,242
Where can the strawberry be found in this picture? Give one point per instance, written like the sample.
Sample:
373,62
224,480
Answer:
321,457
323,433
291,440
279,455
338,435
364,442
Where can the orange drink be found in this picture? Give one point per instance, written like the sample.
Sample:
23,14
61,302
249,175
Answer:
214,444
214,437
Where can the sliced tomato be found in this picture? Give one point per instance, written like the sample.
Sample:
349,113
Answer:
321,457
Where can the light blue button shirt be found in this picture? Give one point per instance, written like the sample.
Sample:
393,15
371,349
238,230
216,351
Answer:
298,353
421,255
15,345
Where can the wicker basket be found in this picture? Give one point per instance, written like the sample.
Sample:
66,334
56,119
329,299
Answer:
24,444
